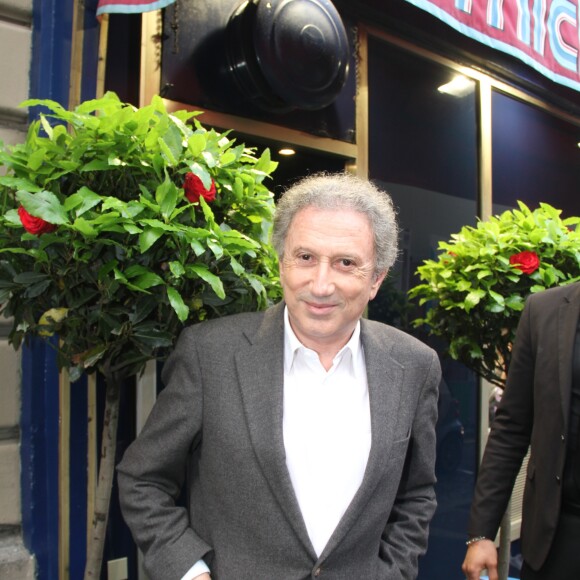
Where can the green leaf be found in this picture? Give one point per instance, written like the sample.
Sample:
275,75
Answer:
35,290
12,217
166,197
95,165
85,228
148,238
43,204
132,228
167,152
173,138
473,299
207,213
215,247
177,303
238,188
82,201
236,266
256,284
19,183
497,297
196,246
159,225
29,278
148,280
177,269
207,276
94,355
196,144
202,173
265,162
227,158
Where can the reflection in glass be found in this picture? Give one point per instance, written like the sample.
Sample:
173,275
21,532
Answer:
423,150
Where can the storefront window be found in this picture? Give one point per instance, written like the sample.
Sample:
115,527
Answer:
423,150
535,157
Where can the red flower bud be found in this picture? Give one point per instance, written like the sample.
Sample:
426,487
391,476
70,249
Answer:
527,262
194,189
34,225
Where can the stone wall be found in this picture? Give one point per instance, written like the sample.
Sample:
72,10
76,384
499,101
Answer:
15,50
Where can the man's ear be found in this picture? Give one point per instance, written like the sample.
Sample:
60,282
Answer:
377,281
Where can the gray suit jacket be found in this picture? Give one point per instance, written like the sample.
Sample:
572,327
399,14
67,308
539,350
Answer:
221,414
534,410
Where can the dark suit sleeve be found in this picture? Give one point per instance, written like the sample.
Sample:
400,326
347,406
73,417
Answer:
153,469
405,536
509,436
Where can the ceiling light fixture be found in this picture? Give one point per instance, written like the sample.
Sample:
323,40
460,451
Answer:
286,151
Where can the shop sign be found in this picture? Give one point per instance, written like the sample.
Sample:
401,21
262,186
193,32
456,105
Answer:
542,33
130,6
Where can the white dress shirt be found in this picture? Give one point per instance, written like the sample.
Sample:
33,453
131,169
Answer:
327,433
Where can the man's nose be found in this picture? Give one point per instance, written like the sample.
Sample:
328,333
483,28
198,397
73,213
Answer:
322,279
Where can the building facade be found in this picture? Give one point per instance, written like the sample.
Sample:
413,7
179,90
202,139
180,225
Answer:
446,158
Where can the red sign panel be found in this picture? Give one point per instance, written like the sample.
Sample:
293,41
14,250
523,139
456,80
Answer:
542,33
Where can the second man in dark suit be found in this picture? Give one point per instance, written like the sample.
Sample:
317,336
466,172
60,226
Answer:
540,408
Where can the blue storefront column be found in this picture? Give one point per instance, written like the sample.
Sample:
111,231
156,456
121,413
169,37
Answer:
39,456
41,405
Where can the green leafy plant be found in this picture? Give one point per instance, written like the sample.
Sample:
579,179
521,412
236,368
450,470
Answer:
474,292
118,226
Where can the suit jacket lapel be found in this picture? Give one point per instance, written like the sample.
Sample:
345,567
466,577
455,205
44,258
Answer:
568,313
385,381
260,367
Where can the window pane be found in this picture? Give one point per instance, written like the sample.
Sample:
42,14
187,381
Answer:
423,149
535,157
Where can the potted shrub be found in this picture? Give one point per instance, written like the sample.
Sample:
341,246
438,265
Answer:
118,226
474,292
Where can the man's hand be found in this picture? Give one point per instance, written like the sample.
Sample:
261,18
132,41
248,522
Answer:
480,555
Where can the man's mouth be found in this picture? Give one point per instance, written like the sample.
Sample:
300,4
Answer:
320,307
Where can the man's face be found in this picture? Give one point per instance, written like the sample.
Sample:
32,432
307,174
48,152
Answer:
328,275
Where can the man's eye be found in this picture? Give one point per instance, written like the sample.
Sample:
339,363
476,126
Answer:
304,257
346,262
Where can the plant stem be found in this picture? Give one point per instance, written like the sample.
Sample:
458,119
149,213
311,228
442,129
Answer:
105,480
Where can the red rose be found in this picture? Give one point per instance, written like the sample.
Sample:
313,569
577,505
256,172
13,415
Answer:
34,225
527,262
194,189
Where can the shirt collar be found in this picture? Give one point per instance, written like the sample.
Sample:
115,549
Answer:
292,344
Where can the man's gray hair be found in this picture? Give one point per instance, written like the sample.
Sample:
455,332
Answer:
341,191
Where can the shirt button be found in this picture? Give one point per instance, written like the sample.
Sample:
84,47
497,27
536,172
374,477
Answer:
557,478
317,572
563,438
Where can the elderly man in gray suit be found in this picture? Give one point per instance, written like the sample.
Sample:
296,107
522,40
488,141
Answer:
305,434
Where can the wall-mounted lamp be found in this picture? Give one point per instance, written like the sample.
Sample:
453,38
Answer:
459,86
